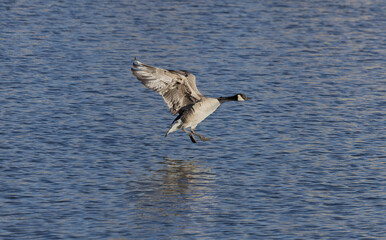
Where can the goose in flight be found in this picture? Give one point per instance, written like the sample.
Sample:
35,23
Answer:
179,91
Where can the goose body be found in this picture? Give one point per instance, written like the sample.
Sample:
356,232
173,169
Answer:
179,91
199,111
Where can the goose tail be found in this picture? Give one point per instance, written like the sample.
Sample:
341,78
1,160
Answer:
176,125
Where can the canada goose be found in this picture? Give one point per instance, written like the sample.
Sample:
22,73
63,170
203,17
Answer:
179,91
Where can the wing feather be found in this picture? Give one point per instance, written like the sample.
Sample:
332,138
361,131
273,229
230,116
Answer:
178,88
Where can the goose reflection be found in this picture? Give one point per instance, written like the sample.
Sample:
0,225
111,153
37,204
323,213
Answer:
182,178
175,188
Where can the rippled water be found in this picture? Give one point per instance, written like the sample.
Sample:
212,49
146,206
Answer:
82,149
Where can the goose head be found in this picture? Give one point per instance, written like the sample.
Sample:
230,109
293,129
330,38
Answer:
242,97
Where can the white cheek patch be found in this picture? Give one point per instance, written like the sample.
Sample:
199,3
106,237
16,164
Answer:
240,98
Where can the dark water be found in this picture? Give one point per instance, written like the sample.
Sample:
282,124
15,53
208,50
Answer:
81,141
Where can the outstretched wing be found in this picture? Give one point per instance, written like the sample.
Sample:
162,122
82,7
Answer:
178,88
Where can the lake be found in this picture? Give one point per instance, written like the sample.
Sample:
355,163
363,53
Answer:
82,147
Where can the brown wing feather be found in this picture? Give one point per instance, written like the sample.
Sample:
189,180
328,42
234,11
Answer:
178,88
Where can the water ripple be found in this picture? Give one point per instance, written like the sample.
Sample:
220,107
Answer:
81,141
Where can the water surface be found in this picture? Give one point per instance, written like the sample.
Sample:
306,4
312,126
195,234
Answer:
82,142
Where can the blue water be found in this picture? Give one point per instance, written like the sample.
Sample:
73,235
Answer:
82,147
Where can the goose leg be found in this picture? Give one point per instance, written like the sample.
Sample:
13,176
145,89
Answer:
190,135
200,136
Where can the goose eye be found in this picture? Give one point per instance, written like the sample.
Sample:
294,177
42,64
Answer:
186,75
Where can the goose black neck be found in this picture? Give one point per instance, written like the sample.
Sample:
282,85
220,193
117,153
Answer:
227,99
